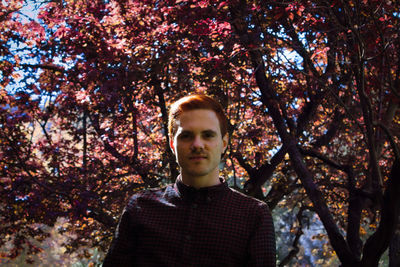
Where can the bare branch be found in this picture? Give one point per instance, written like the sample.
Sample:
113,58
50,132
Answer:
44,66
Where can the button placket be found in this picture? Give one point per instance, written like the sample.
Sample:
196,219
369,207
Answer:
189,230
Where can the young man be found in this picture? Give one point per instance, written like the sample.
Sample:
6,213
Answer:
198,221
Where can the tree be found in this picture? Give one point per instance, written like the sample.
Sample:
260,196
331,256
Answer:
311,88
346,75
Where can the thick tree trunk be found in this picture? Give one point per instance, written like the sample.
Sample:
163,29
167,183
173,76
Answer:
394,247
379,241
353,225
173,166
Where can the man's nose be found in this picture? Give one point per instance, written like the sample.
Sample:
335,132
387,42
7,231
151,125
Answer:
197,142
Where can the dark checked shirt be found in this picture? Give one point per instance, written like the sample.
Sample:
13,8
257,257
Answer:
183,226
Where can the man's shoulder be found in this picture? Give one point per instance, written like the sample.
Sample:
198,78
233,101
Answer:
247,200
149,193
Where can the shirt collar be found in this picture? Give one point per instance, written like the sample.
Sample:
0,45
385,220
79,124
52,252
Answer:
204,194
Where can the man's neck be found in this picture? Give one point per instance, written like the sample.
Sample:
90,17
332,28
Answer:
200,182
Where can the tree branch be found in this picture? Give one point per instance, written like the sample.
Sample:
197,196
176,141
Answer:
268,96
295,246
44,66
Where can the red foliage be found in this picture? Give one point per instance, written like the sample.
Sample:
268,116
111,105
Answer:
85,90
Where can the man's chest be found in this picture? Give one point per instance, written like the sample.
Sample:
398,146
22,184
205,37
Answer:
194,232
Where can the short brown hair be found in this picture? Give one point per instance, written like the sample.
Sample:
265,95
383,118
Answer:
192,102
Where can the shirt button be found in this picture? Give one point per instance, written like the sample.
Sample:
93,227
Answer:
188,237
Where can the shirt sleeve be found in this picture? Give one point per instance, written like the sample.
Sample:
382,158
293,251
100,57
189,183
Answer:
121,249
262,248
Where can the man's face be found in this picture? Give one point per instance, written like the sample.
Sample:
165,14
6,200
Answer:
198,145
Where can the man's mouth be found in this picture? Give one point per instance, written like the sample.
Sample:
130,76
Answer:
197,157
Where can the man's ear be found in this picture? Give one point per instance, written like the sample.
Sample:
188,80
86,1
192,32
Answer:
225,141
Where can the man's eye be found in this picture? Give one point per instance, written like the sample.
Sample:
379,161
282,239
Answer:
209,135
184,136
